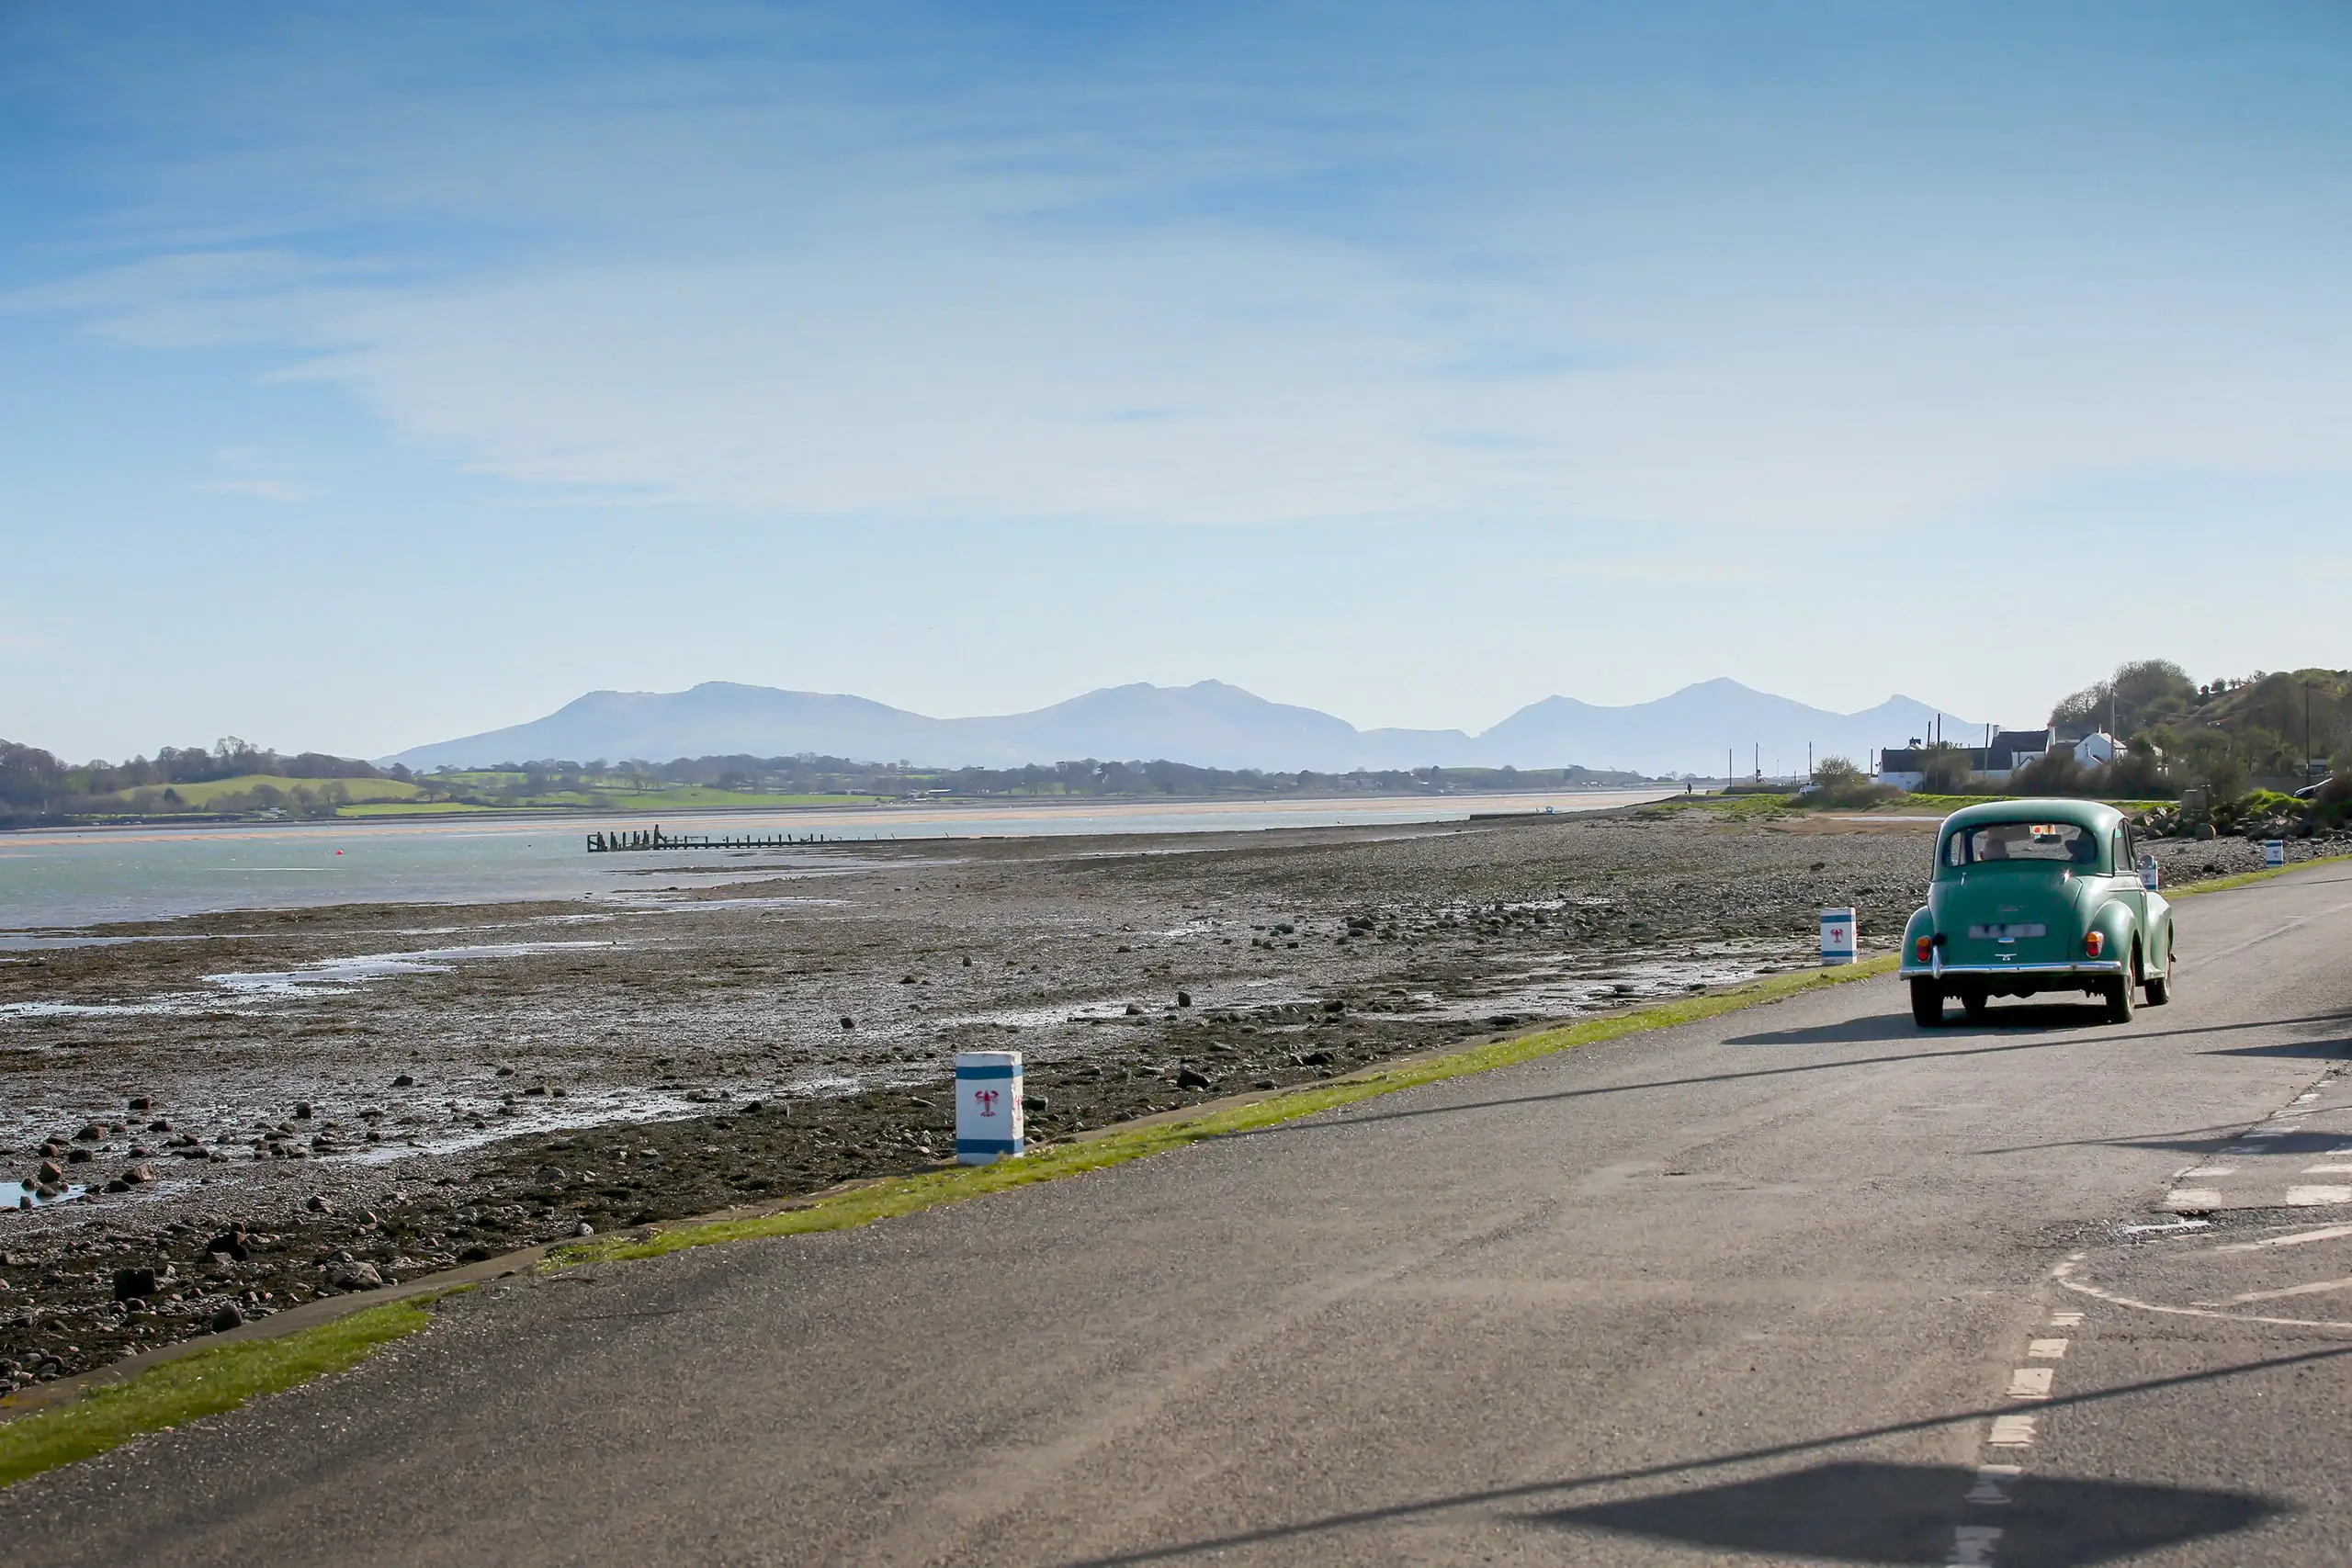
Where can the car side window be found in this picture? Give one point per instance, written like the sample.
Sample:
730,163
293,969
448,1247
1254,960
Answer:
2122,853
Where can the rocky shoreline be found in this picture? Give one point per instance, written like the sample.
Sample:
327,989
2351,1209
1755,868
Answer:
256,1110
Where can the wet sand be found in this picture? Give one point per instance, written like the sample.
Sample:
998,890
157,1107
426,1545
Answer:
294,1103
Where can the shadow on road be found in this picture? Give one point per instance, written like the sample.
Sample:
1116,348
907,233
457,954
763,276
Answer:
1866,1512
2002,1034
2078,1522
1351,1117
2312,1050
2000,1021
2004,1021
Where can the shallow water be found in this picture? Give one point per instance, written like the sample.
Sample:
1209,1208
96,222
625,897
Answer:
54,881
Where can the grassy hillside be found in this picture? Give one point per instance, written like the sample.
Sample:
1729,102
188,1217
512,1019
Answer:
202,795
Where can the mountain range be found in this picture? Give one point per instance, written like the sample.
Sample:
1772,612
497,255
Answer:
1208,723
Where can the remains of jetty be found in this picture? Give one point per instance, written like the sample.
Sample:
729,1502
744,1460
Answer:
653,838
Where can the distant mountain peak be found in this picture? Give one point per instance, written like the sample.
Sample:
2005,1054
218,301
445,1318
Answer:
1209,723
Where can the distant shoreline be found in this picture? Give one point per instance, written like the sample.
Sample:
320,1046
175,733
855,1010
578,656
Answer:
191,822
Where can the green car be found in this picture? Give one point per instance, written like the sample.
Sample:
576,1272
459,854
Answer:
2033,895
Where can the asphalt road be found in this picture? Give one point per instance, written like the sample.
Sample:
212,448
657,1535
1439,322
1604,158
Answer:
1792,1285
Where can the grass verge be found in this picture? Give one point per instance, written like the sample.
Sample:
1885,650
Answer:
905,1195
203,1384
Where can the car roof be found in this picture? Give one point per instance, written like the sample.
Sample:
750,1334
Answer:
2095,815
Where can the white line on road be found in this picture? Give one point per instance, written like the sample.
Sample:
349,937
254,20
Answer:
2031,1382
2210,1171
1973,1546
2325,1232
2065,1320
2311,1197
2012,1432
2046,1349
1991,1488
2193,1198
2317,1286
2327,1169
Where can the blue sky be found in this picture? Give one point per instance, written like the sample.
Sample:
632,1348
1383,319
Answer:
372,374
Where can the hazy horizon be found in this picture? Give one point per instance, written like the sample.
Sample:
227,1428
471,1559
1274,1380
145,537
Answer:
373,377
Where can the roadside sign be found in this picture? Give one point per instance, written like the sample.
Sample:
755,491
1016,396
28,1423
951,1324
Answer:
1837,936
2274,851
988,1106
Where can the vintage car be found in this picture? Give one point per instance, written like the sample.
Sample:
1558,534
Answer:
2032,895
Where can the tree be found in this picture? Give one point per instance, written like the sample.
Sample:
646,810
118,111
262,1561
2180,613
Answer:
1838,776
1946,772
2140,692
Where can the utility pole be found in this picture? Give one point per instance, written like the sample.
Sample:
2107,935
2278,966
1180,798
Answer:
2307,732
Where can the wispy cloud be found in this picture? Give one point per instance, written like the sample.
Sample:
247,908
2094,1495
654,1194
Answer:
884,265
249,471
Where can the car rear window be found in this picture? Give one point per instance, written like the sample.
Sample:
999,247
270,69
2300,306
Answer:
2061,843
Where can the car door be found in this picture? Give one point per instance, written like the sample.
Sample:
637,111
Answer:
2124,857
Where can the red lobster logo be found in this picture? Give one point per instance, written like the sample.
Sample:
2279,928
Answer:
987,1099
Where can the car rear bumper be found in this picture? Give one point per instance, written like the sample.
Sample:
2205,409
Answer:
2087,968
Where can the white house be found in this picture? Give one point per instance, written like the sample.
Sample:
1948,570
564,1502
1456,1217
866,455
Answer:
2097,749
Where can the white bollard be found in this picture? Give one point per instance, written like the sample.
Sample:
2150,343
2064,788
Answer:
2274,852
1837,936
988,1106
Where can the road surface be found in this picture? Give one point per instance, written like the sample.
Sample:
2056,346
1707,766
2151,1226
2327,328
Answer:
1798,1284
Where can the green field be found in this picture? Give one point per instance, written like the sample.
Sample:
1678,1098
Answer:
414,808
201,795
489,788
692,794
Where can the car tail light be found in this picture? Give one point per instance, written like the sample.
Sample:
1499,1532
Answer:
1924,947
2095,943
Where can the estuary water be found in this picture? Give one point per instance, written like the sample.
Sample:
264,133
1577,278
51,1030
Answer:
53,881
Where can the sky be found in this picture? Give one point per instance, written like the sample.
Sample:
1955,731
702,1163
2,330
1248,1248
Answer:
375,375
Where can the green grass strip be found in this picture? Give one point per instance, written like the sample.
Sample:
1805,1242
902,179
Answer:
2248,878
905,1195
202,1384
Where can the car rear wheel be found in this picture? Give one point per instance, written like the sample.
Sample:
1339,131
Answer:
2119,999
1926,1004
2159,990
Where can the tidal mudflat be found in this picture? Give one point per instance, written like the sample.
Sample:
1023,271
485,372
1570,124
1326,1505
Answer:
224,1115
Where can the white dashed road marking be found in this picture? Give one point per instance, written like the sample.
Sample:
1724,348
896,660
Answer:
2193,1198
2047,1350
2012,1432
2031,1382
2311,1197
2317,1288
1991,1488
1973,1546
2325,1232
